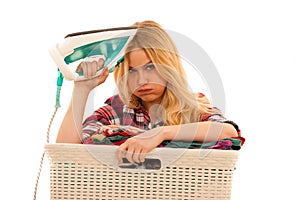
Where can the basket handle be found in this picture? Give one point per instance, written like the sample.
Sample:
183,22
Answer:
150,164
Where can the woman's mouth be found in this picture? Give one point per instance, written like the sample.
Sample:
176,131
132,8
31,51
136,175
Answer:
144,91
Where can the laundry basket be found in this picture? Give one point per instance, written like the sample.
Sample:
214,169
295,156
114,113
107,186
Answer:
91,172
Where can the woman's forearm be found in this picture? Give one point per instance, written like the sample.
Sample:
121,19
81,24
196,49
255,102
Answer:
71,128
135,148
201,132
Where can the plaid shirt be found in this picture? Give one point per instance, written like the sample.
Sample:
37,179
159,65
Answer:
115,112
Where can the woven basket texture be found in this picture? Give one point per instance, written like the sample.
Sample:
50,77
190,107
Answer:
91,172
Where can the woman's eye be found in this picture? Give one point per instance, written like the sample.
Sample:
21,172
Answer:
150,67
131,70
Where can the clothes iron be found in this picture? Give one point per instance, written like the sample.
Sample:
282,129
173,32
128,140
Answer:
109,44
106,43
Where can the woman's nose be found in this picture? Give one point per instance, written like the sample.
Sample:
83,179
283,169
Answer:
142,78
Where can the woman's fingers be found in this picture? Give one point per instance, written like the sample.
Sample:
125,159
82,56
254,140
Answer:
120,155
129,156
90,68
103,75
136,148
134,154
100,63
93,69
142,156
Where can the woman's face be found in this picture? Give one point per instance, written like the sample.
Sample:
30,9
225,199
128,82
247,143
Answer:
144,81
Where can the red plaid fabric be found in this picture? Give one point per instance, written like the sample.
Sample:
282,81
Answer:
115,112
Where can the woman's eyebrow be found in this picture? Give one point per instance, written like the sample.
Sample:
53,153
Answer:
142,65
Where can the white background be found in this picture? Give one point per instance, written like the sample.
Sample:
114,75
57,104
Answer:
254,45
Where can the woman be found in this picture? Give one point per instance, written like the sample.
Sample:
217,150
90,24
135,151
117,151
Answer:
153,95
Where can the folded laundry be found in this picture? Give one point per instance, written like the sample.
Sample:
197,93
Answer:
116,135
224,144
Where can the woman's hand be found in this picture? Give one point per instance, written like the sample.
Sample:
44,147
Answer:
136,148
70,130
89,70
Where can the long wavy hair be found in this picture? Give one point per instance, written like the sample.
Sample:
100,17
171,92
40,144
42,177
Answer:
179,105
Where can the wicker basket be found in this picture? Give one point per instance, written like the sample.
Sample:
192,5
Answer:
92,172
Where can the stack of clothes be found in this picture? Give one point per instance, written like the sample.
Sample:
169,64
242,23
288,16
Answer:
116,135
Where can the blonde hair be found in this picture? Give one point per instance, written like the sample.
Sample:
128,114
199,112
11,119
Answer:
180,105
